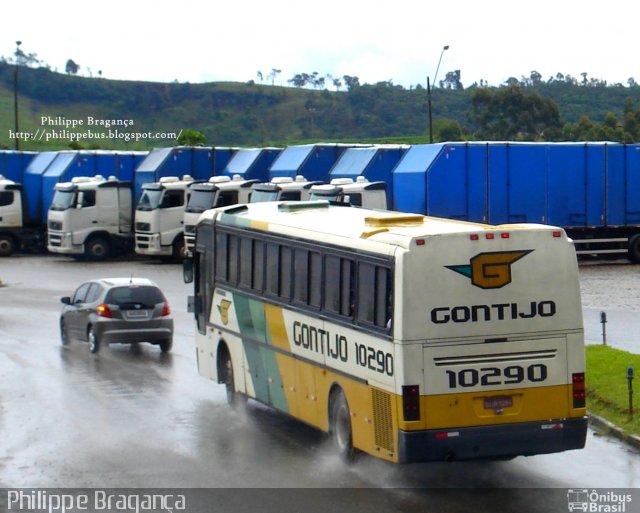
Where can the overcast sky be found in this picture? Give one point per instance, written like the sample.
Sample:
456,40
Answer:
397,40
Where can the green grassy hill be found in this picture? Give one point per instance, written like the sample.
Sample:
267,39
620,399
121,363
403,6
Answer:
249,114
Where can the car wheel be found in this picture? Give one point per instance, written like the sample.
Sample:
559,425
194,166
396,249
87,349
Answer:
94,342
341,427
165,345
64,333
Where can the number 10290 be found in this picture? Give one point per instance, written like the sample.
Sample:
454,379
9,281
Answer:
495,376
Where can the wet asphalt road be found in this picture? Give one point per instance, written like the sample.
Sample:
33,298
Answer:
127,418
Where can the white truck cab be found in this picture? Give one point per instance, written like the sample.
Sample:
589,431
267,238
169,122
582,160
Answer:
91,217
361,193
282,188
13,232
159,217
218,191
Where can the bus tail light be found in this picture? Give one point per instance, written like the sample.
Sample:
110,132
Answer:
578,389
411,402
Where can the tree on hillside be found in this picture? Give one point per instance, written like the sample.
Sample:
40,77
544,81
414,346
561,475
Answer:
509,115
191,137
71,67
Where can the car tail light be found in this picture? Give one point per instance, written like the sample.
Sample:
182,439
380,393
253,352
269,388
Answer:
165,309
411,402
579,391
103,310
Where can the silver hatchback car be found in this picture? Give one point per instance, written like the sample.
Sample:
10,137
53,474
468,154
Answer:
117,310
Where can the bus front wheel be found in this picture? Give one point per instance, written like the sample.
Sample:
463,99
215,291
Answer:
234,398
341,427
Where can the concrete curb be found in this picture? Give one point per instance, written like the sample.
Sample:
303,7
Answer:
608,428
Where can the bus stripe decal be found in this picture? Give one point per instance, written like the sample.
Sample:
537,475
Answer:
262,361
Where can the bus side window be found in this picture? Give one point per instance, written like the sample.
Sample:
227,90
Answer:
374,291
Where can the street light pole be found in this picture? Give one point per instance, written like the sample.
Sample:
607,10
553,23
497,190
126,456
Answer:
15,93
435,77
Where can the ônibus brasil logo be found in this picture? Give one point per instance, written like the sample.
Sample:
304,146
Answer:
490,270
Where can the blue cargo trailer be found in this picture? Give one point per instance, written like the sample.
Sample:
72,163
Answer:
127,162
443,180
375,163
32,186
14,163
313,161
251,163
517,192
221,157
161,162
68,165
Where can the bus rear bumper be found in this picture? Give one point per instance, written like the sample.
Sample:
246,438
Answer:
492,442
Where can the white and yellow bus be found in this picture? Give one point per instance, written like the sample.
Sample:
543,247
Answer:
406,337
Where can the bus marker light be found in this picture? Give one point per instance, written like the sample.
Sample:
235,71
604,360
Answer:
557,234
504,235
474,236
420,242
557,425
489,236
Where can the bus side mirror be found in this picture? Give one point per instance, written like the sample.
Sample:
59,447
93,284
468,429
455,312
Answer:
187,270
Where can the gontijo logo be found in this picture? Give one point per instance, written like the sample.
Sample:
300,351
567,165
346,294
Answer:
490,270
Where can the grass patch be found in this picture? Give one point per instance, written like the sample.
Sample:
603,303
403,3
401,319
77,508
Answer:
607,386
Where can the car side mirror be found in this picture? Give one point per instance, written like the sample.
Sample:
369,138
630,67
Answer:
187,270
66,300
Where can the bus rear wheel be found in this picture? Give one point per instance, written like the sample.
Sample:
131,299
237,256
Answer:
341,427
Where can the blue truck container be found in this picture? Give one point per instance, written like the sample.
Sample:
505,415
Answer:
127,162
517,182
32,187
443,180
313,161
161,162
251,163
71,164
13,163
375,163
195,161
221,157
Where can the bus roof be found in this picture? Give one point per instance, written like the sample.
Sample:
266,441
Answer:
327,220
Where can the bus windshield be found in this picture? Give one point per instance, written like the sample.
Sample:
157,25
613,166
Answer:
62,200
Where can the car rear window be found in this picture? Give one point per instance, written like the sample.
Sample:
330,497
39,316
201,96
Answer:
132,296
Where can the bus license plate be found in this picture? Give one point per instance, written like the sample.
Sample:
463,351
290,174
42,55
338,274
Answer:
498,402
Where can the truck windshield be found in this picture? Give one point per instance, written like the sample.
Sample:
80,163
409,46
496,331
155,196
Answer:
62,200
150,199
259,196
200,201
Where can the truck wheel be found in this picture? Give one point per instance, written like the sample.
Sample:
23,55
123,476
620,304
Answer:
166,345
97,249
7,245
340,419
634,248
177,250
